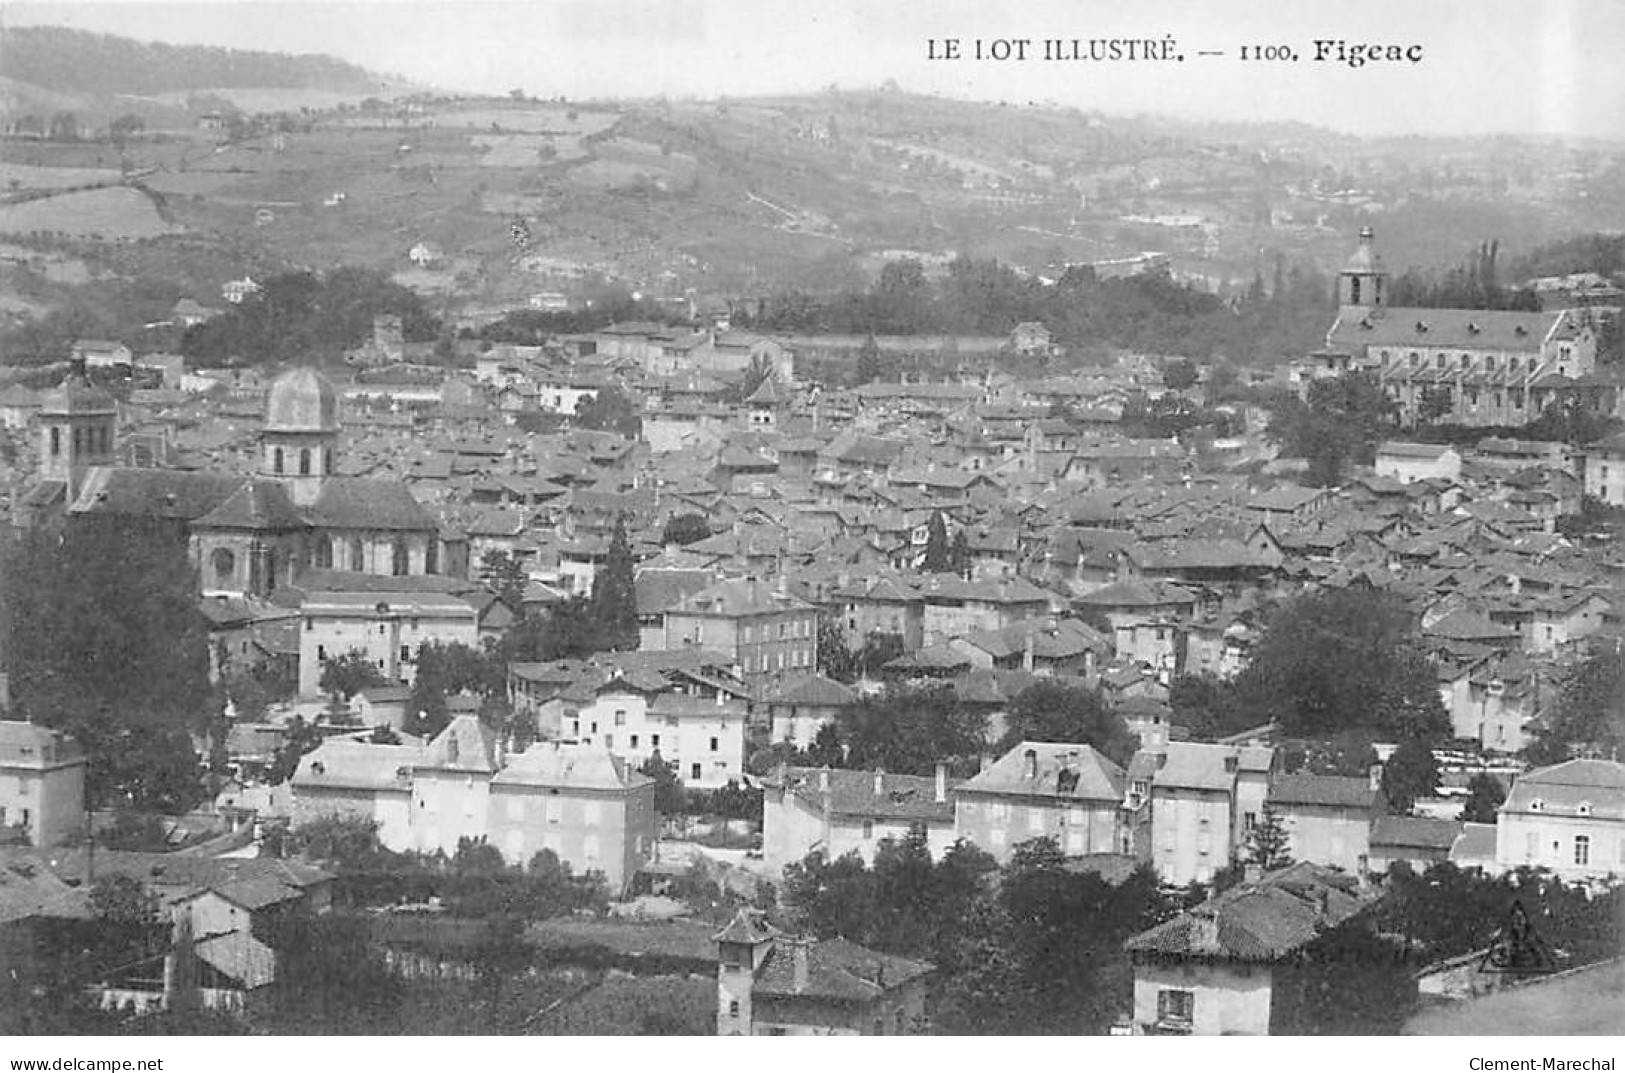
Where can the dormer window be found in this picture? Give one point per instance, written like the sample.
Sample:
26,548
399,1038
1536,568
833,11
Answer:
1584,809
1421,327
1537,805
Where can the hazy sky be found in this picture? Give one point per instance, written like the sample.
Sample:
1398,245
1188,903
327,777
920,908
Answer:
1522,66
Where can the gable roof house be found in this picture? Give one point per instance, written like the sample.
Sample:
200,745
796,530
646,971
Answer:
837,812
1064,791
1234,965
773,984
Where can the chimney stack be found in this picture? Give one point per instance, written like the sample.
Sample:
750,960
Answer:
942,784
1027,653
1032,763
823,780
880,781
1374,777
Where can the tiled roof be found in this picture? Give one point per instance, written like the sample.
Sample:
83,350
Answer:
569,767
1193,766
343,764
812,690
852,793
1562,789
168,494
365,503
257,505
1330,791
466,744
28,744
1419,832
1479,329
1097,778
837,969
748,926
1262,921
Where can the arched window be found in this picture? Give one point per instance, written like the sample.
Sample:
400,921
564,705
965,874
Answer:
1354,291
78,441
358,559
324,552
304,462
400,561
276,460
431,556
56,440
224,564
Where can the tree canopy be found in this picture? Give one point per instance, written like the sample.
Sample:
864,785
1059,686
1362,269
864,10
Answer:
103,639
1340,660
1589,716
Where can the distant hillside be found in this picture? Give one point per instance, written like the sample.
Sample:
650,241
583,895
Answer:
79,62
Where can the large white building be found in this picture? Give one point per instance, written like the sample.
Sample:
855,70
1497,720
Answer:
1479,367
388,628
1569,818
588,807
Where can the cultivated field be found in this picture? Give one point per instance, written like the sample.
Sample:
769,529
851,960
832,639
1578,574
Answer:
112,212
530,120
15,177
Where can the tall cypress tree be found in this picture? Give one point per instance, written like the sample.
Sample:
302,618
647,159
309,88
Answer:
936,545
614,595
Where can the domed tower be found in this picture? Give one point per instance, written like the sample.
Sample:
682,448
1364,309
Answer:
1363,281
300,437
76,424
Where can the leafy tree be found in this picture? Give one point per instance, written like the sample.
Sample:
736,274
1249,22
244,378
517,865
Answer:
910,731
1411,772
1055,711
1268,841
1484,797
869,365
959,554
1340,660
609,410
102,637
123,899
299,738
832,897
878,650
1436,402
448,670
254,688
826,749
668,791
685,529
506,577
64,127
301,317
122,129
476,857
1589,716
346,675
1179,374
835,658
614,594
936,546
1337,426
330,976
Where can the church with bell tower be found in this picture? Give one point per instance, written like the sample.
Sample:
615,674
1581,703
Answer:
249,535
